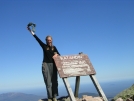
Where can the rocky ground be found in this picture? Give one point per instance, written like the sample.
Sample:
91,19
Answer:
84,98
126,95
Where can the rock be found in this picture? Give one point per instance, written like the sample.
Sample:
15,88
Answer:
83,96
132,97
98,99
87,98
119,99
77,99
68,99
129,99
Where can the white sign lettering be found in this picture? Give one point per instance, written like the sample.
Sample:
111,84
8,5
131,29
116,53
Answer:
75,67
70,57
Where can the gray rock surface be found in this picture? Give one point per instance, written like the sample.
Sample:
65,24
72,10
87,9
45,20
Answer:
84,98
119,99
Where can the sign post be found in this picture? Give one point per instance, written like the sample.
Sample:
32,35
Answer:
76,66
77,84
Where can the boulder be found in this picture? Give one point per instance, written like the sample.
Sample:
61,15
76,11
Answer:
129,99
119,99
98,99
87,98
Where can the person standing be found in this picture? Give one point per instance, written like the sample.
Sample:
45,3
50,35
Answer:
49,70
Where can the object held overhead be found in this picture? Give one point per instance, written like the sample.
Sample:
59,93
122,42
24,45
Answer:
32,25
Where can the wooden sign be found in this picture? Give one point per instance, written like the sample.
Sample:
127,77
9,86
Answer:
74,65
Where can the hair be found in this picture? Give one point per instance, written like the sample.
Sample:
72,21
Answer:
46,41
48,37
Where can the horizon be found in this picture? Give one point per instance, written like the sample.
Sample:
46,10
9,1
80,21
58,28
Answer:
101,29
86,89
107,87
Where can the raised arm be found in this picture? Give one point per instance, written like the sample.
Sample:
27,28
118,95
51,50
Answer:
39,41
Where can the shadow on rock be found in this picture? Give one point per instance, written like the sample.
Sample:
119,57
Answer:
64,98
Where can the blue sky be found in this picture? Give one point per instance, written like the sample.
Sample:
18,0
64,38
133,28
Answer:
102,29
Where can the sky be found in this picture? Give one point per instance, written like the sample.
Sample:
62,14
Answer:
102,29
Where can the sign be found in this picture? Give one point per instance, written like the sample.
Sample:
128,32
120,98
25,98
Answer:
74,65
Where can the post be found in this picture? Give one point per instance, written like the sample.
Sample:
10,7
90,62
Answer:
77,84
98,87
69,90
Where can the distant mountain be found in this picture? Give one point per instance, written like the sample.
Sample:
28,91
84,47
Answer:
31,97
19,97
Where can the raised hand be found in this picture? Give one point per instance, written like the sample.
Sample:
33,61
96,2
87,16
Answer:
28,28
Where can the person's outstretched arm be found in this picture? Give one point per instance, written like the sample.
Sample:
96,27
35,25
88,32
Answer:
39,41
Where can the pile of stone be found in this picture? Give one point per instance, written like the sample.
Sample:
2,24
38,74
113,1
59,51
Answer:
84,98
126,95
90,98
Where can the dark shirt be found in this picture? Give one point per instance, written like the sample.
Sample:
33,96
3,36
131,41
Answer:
48,52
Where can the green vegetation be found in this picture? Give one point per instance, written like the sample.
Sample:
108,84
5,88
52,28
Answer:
127,93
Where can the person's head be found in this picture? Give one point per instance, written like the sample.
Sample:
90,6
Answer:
49,40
